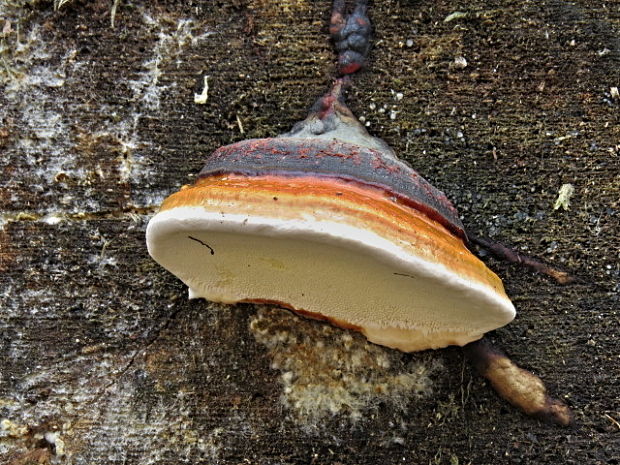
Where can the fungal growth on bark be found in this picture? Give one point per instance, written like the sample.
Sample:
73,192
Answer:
325,220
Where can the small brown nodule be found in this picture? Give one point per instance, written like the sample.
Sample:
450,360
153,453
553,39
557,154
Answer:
518,386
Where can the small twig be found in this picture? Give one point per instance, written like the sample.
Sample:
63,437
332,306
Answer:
512,256
240,124
113,12
404,274
612,419
59,3
203,243
103,249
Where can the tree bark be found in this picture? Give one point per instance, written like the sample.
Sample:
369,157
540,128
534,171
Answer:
104,360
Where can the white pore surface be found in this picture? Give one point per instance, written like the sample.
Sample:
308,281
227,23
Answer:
329,268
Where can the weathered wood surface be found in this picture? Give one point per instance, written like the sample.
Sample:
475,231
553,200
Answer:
103,360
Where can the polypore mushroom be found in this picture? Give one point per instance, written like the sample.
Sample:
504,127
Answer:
326,221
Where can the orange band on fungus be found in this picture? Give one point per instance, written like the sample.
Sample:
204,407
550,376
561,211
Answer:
327,199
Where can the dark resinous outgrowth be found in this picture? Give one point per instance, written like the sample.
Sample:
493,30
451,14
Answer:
351,35
325,220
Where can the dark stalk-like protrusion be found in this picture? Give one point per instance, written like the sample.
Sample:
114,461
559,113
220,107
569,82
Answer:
351,34
520,387
505,253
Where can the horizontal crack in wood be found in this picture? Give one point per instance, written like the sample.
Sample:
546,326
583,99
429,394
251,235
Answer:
128,213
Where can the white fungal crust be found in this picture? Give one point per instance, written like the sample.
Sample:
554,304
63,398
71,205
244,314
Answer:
323,263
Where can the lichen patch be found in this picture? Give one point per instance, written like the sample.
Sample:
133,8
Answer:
170,43
47,153
326,371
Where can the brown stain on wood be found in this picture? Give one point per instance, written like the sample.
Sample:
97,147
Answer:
307,314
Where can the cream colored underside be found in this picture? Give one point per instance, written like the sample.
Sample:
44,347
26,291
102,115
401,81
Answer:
337,270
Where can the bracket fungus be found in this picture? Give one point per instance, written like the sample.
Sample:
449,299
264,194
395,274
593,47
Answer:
325,220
